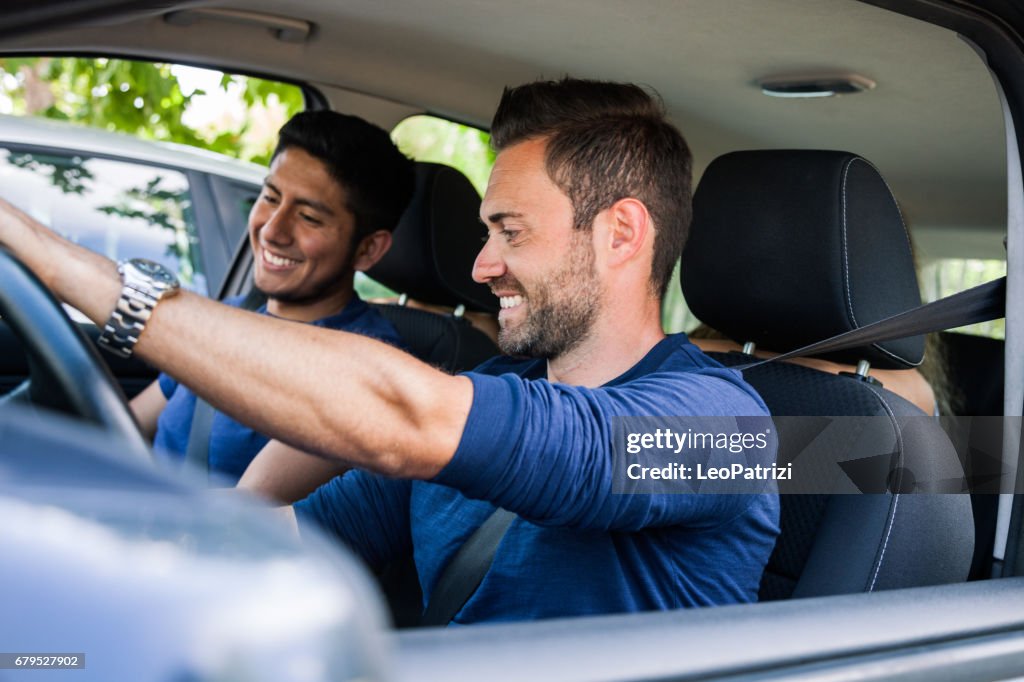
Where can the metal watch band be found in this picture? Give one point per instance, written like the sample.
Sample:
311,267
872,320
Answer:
126,322
139,295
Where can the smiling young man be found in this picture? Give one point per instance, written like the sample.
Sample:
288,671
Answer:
587,211
335,190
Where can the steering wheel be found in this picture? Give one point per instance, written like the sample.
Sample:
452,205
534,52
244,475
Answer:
67,372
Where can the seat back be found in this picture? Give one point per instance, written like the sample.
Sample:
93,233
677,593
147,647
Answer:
791,247
447,342
431,261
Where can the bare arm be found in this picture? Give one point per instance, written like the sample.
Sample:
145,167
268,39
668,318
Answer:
327,392
282,473
147,407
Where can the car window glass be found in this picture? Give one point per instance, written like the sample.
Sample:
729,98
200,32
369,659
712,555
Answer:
115,208
946,276
675,314
429,138
237,116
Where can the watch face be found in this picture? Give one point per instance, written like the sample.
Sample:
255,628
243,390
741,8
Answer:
154,270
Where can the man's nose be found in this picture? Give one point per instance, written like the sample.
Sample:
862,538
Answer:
488,264
277,229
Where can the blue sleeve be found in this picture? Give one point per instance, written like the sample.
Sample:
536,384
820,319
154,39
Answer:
369,513
544,451
167,385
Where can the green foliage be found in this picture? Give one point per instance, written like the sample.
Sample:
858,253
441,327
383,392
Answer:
138,98
426,138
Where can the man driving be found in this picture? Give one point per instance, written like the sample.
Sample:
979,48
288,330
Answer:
586,212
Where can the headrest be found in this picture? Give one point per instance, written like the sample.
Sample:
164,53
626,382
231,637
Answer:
792,247
436,243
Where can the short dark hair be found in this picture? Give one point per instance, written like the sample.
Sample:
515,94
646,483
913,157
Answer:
377,178
605,142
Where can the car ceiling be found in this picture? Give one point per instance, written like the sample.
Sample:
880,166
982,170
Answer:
933,125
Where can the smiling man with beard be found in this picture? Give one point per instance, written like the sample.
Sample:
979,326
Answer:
587,211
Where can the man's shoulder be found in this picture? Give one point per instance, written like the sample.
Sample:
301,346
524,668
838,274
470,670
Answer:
673,355
683,371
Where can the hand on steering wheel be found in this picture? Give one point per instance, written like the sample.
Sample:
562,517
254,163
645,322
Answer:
67,372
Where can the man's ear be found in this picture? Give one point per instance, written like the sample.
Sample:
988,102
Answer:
371,249
628,226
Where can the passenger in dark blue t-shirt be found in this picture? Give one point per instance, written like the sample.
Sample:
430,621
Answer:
335,190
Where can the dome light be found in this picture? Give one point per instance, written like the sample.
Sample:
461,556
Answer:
815,86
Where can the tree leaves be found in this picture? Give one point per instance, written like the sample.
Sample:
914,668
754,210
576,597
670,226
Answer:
138,98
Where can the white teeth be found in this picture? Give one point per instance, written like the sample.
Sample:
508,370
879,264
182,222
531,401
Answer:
510,301
277,260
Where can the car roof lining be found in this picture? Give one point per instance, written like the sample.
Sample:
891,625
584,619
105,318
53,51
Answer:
933,124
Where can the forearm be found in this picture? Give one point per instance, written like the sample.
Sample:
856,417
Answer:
85,279
321,391
284,474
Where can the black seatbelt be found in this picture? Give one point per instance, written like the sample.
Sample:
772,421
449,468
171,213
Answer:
978,304
198,452
467,569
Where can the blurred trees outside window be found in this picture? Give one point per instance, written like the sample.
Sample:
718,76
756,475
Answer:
429,138
234,115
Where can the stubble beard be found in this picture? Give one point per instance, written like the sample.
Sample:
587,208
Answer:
562,307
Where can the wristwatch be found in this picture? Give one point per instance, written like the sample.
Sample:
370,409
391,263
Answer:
143,284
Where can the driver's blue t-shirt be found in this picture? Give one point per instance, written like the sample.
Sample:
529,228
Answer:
232,445
544,451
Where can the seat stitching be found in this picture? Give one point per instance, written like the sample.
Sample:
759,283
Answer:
895,496
846,258
846,261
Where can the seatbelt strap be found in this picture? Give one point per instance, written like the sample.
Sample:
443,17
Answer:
198,451
978,304
464,573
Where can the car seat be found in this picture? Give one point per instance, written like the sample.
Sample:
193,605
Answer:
792,247
431,261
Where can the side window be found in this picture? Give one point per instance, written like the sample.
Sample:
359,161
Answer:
675,314
428,138
146,210
947,276
116,208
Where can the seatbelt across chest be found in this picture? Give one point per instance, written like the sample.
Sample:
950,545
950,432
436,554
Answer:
198,451
464,573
